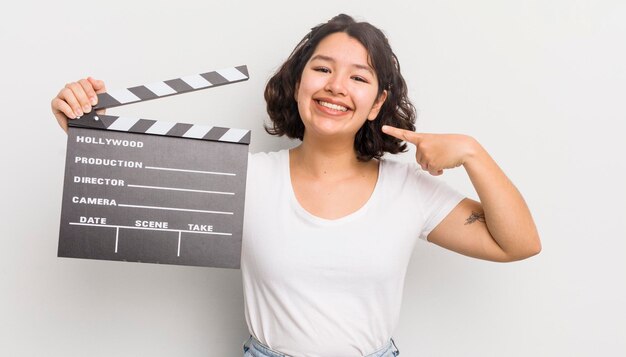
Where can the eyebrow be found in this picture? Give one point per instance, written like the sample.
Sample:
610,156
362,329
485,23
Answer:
330,59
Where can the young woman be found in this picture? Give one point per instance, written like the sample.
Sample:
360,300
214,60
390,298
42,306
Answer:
330,226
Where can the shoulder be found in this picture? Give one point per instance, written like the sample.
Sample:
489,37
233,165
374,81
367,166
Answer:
407,175
264,166
392,163
266,174
399,171
265,160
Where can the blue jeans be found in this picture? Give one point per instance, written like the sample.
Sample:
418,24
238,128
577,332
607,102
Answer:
254,348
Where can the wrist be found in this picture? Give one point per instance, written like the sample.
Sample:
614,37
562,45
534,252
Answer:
473,151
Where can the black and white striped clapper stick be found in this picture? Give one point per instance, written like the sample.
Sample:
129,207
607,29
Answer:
116,98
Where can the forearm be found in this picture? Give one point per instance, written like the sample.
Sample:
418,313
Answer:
506,214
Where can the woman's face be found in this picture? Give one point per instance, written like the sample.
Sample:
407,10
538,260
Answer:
338,89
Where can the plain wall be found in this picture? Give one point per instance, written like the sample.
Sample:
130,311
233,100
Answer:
541,84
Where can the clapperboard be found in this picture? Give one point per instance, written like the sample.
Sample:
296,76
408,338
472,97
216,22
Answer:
152,191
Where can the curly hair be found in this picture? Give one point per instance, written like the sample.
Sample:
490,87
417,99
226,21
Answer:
397,110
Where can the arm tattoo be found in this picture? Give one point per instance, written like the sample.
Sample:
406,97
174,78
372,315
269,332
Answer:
475,216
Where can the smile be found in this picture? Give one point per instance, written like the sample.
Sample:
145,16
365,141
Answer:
332,106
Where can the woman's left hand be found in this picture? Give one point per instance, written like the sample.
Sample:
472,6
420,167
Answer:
437,152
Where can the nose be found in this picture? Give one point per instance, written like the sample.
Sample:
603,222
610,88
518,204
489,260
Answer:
336,85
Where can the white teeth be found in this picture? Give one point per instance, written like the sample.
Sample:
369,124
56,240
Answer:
333,106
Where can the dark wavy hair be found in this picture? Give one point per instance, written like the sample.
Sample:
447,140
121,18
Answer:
397,110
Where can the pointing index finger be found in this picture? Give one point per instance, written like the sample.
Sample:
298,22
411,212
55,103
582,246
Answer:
401,134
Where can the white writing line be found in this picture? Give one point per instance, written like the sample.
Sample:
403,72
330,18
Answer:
195,171
117,233
179,233
148,229
182,189
173,209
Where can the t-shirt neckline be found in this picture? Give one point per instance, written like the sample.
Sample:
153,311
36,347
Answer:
308,216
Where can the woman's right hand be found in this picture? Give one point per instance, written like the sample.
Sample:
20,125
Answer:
75,99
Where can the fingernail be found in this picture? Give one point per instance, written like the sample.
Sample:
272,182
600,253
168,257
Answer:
86,108
78,113
94,100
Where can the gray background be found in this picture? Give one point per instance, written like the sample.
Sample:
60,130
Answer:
541,84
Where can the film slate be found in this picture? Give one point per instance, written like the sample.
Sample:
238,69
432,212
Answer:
150,191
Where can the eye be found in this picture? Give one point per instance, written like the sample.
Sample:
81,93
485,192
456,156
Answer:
321,69
360,79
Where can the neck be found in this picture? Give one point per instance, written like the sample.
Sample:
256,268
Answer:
326,158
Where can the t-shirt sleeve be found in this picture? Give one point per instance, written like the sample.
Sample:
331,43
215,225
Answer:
438,199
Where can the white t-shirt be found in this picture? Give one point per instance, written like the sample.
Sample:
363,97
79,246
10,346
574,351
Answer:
319,287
